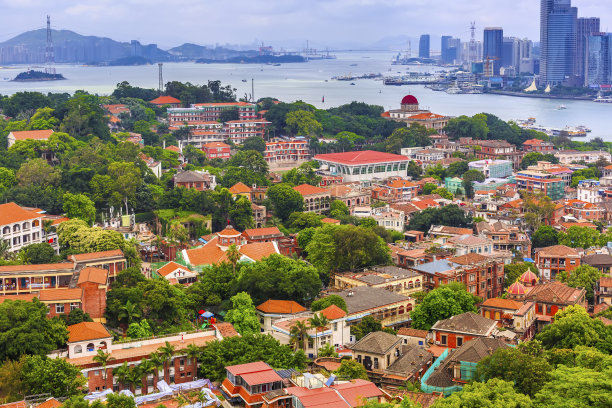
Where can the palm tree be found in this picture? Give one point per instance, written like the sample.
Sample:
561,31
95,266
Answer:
193,353
318,322
299,335
122,374
156,362
233,255
166,352
129,311
5,248
134,377
146,368
103,359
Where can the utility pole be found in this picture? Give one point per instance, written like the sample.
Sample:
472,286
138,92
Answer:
49,52
161,77
252,90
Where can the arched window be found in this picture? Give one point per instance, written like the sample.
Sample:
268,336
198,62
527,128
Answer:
102,345
409,307
16,228
25,225
400,310
91,347
35,223
6,230
78,349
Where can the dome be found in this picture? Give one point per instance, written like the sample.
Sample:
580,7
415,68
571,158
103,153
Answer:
529,278
409,100
517,289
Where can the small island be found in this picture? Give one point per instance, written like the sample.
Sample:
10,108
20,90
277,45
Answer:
31,76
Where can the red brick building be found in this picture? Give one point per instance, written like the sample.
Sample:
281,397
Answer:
456,330
498,150
217,150
113,261
268,234
248,383
537,145
555,259
551,297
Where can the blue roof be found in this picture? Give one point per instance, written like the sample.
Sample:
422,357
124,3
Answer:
441,265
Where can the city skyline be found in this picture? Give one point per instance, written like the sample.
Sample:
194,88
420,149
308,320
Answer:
325,23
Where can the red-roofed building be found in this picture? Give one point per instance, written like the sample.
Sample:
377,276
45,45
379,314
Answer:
540,146
250,382
552,260
268,234
217,150
363,165
285,152
113,261
316,199
514,315
410,112
551,297
20,226
16,136
177,273
166,100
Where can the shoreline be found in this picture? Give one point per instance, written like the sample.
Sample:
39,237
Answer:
540,96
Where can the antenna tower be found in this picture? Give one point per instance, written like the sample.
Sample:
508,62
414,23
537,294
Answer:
161,77
49,53
472,47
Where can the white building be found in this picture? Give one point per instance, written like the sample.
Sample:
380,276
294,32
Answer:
19,226
363,165
590,191
389,218
570,156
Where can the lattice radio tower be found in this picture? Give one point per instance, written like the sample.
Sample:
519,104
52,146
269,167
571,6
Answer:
472,51
161,77
49,52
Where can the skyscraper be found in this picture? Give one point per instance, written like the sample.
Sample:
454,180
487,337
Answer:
598,67
493,49
424,46
557,40
585,27
444,49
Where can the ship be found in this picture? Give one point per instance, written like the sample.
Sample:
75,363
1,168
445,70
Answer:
603,99
570,131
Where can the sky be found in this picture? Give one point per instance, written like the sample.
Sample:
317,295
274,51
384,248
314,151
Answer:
326,23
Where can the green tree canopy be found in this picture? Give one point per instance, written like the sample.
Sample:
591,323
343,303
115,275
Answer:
351,369
442,303
242,314
54,376
450,215
545,236
584,276
285,200
79,206
42,253
576,387
492,394
327,301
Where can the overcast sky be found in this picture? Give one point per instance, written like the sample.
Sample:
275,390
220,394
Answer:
324,22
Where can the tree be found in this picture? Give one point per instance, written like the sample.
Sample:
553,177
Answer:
346,248
366,326
302,220
528,373
579,237
584,276
126,178
538,209
42,253
574,327
545,236
327,301
279,277
119,401
128,312
77,316
444,193
428,188
233,255
475,127
157,363
301,122
227,115
7,179
139,330
103,359
79,206
11,384
450,215
193,353
493,393
246,349
299,335
414,171
25,329
576,387
241,213
242,314
351,369
166,352
38,173
328,350
254,143
442,303
304,174
457,169
285,200
318,322
54,376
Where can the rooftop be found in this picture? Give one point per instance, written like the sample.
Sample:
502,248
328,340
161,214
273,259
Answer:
11,213
363,298
307,189
281,307
32,134
361,157
466,323
94,275
165,100
87,331
557,250
114,253
377,343
555,292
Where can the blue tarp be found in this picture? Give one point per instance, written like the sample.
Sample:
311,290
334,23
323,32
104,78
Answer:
528,260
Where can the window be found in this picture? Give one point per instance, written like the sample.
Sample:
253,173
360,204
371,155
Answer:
74,306
59,308
459,341
78,349
443,339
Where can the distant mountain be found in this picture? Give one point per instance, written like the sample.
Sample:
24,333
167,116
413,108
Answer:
70,47
190,51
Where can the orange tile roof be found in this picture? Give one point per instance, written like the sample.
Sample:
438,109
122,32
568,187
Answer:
212,145
330,221
17,404
97,255
258,250
425,116
173,148
307,189
32,134
407,331
50,403
164,100
25,298
557,250
469,259
226,330
94,275
258,232
11,212
333,312
239,188
60,294
209,254
63,266
508,304
401,183
281,307
171,267
87,331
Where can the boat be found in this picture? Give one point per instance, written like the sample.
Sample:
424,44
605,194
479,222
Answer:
244,80
353,65
561,107
352,83
454,90
603,99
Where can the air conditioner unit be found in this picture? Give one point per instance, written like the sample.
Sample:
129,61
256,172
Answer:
437,343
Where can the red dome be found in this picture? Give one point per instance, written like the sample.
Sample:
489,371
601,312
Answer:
409,100
517,288
528,278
